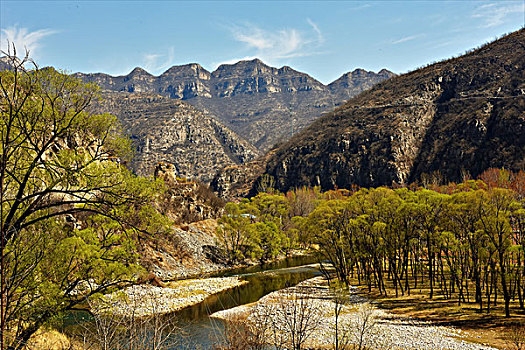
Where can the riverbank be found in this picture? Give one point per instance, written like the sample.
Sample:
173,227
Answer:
386,331
146,300
191,251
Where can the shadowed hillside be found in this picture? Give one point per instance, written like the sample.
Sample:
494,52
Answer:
459,116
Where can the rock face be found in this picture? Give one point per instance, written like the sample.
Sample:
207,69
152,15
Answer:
465,114
171,131
5,64
238,181
187,250
186,201
264,105
353,83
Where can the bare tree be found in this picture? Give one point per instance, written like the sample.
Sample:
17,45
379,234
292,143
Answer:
112,331
241,333
342,334
266,184
298,316
363,326
516,337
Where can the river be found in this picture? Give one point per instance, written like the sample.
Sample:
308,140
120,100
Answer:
199,330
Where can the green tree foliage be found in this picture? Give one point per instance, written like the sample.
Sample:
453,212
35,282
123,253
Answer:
234,230
463,241
267,225
69,209
472,236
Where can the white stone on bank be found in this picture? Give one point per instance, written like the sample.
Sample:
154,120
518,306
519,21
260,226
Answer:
146,300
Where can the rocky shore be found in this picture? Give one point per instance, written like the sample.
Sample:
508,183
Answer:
386,330
147,300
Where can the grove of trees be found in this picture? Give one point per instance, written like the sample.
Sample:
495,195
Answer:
267,225
464,241
69,211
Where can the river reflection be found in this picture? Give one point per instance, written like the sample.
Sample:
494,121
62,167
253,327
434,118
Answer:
202,332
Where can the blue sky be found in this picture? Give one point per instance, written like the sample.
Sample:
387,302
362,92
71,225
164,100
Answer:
323,39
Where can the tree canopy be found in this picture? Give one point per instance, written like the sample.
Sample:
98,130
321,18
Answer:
68,207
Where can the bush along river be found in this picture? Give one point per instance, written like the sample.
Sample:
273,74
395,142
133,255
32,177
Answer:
197,329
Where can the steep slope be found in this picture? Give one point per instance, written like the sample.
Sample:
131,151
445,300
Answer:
171,131
462,115
264,105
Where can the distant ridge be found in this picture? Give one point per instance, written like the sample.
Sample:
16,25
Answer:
455,117
263,104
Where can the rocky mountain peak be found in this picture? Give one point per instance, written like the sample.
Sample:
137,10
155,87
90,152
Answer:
191,70
243,68
137,71
250,97
357,80
386,73
360,73
286,69
357,72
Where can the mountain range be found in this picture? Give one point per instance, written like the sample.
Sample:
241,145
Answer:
201,122
263,104
454,118
457,117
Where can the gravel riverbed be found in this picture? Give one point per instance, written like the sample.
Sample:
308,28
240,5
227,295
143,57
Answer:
147,300
389,331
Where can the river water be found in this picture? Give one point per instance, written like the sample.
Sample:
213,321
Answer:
202,332
199,331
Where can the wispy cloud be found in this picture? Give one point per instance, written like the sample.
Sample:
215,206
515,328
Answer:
23,39
277,46
158,63
495,14
405,39
315,27
485,6
280,44
360,7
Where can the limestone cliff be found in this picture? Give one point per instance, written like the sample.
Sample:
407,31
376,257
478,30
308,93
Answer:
171,131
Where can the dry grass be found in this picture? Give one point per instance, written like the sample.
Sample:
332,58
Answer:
50,339
480,327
